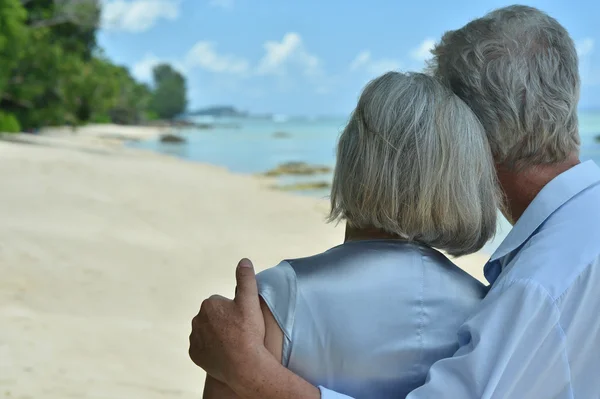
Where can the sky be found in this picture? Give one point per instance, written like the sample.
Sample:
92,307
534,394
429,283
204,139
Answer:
308,57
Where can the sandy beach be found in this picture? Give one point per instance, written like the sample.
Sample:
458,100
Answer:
106,253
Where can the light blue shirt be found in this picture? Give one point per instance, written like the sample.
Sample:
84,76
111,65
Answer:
537,332
339,314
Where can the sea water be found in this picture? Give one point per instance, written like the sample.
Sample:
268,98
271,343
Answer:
251,146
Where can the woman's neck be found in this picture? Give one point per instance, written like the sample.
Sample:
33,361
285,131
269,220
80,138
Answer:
358,234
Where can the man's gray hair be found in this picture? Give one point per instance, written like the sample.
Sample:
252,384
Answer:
414,161
517,69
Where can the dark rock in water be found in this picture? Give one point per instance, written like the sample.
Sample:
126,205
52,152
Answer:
182,123
203,126
598,138
282,135
172,139
297,168
318,185
187,123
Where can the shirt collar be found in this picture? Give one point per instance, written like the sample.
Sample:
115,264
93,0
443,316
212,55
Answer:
555,194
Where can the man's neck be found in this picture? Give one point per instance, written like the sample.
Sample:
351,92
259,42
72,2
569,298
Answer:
521,186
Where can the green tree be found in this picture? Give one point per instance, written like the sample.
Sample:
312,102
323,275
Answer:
115,95
43,86
73,22
169,96
13,36
8,123
53,73
13,39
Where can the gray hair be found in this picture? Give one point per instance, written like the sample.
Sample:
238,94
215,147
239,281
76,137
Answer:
414,161
517,69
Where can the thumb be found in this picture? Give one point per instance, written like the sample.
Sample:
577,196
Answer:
246,292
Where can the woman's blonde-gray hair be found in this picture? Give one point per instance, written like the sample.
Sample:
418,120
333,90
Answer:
414,161
517,69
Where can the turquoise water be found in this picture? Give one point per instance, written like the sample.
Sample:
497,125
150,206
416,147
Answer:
250,147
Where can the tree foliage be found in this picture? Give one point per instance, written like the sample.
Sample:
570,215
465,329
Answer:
53,73
169,97
13,35
8,123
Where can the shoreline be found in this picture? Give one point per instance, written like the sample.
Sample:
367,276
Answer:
119,135
108,131
108,251
115,138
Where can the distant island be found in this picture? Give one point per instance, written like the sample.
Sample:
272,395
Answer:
218,112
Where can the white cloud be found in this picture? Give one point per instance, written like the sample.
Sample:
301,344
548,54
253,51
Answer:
364,61
324,89
224,4
142,70
137,15
585,46
361,59
590,75
283,60
290,51
205,56
423,52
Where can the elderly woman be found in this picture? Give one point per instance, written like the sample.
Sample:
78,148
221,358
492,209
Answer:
371,315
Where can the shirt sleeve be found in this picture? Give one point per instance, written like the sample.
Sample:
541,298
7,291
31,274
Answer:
327,394
512,347
277,286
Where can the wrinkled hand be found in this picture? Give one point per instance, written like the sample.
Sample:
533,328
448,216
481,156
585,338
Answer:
228,335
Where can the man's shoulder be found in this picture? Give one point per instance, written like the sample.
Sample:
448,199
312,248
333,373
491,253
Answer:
556,260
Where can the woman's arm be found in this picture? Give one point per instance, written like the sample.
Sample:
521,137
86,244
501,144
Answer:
270,378
273,334
236,329
214,389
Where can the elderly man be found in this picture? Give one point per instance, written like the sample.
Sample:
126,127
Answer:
537,332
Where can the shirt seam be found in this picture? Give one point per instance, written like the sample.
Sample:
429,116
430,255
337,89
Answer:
564,340
275,316
572,282
293,297
287,335
421,323
557,325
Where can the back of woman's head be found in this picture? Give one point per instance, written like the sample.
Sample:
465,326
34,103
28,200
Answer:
414,161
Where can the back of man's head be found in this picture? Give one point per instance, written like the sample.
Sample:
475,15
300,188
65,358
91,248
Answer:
517,69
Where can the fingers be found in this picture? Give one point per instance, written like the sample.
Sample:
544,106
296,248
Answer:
196,347
207,307
199,324
196,342
246,295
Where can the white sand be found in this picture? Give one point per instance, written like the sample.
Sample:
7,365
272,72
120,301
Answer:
107,253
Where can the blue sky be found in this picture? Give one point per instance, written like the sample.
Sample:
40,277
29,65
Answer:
308,57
